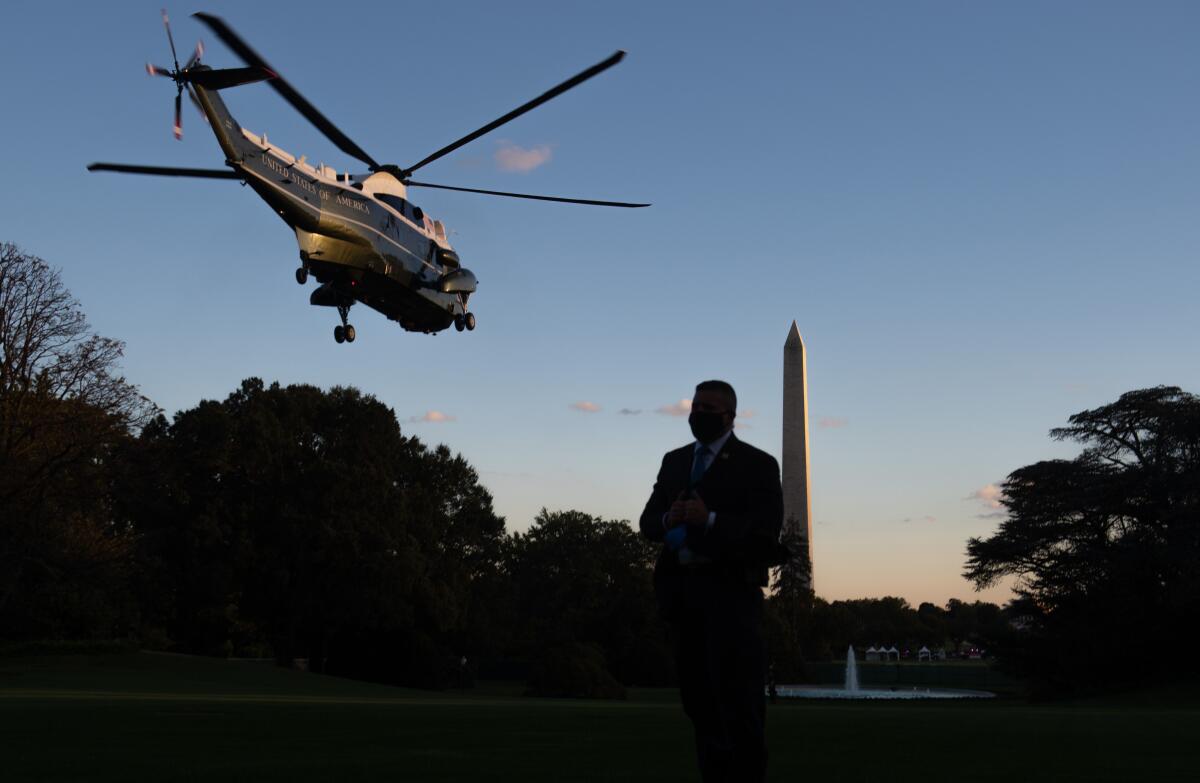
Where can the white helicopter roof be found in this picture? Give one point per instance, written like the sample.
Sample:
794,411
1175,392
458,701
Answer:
384,183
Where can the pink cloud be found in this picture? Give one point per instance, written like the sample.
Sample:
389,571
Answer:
681,408
989,495
512,157
431,417
832,423
585,406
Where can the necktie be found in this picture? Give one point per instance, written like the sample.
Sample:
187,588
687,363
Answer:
700,464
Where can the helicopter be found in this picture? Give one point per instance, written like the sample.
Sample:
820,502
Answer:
359,235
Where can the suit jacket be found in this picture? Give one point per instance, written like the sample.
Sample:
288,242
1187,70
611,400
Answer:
742,487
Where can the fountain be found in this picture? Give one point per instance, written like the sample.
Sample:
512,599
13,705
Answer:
852,690
851,682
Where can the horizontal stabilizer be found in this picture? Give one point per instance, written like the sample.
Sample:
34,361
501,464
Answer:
229,77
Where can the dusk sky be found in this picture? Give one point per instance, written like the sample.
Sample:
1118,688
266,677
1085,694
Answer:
983,217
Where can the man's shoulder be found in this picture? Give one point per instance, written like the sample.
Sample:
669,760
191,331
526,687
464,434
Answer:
751,453
687,450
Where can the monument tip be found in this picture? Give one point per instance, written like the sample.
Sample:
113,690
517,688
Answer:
793,339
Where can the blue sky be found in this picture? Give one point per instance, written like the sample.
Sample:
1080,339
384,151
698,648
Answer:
981,215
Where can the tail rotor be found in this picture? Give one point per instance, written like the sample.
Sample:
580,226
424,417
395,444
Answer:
196,55
178,75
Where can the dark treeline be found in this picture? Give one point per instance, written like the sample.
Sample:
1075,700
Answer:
296,523
819,630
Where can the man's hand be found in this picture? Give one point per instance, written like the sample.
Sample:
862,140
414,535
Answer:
688,509
677,514
695,513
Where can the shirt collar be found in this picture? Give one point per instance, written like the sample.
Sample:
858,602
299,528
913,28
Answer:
714,447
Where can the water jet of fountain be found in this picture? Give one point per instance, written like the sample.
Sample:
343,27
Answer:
851,685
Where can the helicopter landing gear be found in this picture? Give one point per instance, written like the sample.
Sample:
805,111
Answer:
459,323
345,332
302,275
469,320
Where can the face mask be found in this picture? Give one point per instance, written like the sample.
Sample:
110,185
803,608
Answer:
707,427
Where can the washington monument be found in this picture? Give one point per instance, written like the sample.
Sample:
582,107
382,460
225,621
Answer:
797,504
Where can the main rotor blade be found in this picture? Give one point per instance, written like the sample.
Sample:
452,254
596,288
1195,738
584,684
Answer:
285,90
574,81
165,171
170,38
591,202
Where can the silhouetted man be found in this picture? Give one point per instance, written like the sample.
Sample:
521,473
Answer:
717,508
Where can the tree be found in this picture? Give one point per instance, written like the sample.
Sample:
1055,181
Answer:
790,623
793,579
583,582
302,523
64,411
1105,548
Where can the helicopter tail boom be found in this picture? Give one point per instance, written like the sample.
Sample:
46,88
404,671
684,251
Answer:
222,123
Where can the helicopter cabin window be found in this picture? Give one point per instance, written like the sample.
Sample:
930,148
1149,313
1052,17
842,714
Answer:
402,206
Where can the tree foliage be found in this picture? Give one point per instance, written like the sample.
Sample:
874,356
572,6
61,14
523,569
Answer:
1105,548
790,619
64,411
303,522
583,591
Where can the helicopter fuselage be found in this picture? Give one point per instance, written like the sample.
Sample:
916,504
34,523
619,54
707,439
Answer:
362,241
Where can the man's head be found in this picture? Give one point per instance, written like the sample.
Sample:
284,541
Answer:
714,407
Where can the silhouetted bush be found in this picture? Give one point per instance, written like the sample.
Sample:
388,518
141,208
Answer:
574,670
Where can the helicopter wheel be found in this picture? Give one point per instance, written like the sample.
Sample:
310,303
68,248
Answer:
458,323
339,334
470,322
302,275
349,330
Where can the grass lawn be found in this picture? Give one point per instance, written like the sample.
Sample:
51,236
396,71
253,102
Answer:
173,718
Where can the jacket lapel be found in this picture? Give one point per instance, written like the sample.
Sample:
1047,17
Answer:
721,464
684,468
